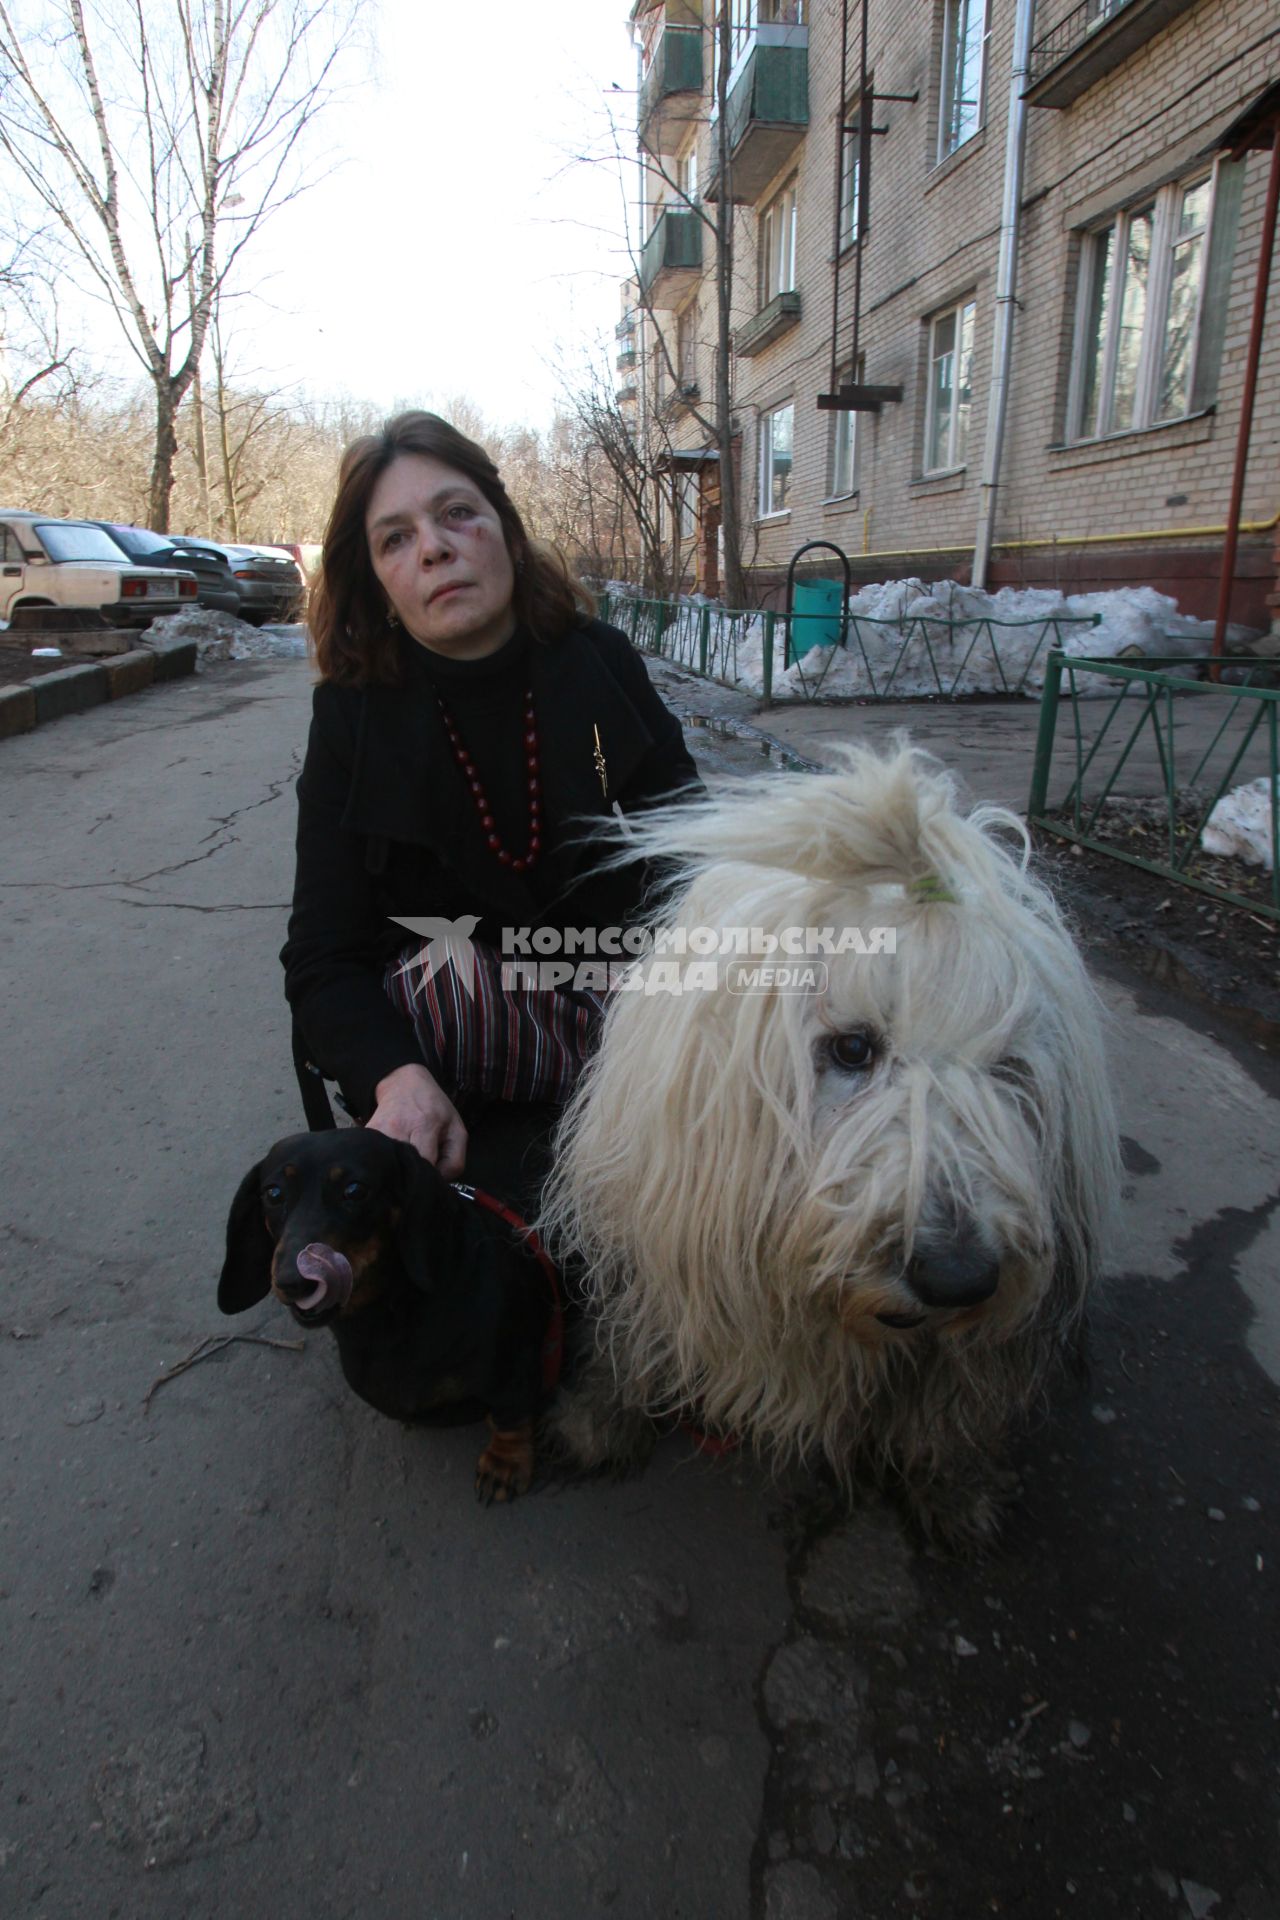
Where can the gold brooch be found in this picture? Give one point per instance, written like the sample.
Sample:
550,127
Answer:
601,768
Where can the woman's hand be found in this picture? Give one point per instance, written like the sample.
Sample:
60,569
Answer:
413,1107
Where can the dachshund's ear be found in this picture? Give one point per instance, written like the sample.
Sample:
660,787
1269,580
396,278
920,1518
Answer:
246,1271
426,1231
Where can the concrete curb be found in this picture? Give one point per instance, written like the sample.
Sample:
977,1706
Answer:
69,690
75,689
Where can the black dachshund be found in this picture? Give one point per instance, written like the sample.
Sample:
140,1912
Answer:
436,1296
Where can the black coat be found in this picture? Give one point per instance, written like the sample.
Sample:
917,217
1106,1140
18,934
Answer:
385,826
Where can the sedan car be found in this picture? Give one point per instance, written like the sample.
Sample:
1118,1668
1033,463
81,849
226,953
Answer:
46,562
216,585
270,586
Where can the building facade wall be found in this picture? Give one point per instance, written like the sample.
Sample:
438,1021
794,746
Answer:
1137,506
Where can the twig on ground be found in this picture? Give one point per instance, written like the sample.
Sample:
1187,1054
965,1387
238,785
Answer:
214,1343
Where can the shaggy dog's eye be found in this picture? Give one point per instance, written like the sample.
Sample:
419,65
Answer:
274,1193
354,1190
852,1052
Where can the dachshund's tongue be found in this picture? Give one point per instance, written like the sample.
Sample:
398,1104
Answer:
331,1272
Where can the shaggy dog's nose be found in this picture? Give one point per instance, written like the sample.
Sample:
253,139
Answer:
958,1273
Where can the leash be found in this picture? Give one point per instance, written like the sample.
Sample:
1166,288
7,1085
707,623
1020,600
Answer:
553,1341
715,1446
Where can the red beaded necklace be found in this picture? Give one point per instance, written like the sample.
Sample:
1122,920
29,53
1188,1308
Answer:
519,863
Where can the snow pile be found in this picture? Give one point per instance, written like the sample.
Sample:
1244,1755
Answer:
221,636
1241,823
908,640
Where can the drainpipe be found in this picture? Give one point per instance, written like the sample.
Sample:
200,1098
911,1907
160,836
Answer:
1006,286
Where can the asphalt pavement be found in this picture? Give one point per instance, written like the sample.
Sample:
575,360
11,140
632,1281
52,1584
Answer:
262,1652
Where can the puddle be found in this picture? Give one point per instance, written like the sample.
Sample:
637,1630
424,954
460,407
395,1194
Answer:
786,759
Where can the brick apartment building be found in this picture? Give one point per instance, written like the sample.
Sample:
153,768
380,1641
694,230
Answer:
1135,233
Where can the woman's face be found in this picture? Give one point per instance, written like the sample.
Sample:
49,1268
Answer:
438,550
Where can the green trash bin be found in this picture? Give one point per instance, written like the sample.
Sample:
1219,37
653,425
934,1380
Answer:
815,616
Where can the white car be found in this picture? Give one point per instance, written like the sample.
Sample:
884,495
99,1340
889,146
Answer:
45,562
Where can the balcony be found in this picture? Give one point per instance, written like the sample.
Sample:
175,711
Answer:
626,395
671,91
626,360
672,258
679,401
1090,41
768,110
782,312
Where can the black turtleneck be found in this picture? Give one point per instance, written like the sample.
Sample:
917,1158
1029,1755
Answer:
485,699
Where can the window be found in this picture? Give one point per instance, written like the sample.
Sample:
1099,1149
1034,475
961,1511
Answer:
655,192
964,47
73,540
776,431
949,393
843,477
778,245
687,346
650,25
745,17
10,549
1153,286
688,494
850,144
687,176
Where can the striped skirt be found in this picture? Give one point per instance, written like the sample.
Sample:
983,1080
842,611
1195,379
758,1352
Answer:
500,1042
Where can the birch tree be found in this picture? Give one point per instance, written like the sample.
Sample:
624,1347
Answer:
158,137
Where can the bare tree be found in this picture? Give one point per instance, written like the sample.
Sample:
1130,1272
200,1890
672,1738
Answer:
587,393
34,355
159,136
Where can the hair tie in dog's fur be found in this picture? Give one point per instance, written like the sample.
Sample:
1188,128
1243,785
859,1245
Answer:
929,890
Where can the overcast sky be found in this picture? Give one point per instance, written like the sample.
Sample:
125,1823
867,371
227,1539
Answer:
458,245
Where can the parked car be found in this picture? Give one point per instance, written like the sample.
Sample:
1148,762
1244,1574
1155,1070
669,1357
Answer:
269,583
216,585
47,562
307,553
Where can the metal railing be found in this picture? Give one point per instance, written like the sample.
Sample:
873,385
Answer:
1224,744
942,658
1071,32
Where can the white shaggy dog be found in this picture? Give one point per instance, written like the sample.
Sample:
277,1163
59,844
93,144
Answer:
861,1219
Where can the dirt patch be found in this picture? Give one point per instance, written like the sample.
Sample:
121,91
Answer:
17,665
1141,828
1226,956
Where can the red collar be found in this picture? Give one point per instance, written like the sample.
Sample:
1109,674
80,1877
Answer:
553,1341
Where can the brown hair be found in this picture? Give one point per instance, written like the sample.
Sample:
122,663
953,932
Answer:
347,615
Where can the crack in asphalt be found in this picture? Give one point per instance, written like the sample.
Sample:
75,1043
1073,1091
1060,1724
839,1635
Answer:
178,866
191,906
274,790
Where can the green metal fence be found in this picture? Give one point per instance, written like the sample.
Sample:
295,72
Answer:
1130,764
751,649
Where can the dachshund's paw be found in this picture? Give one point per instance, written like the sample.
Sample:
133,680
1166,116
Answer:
505,1468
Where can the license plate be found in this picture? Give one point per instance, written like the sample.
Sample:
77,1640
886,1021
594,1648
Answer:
161,590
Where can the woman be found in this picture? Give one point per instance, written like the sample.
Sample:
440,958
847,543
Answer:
470,715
